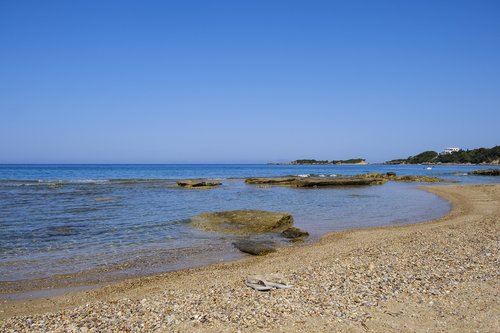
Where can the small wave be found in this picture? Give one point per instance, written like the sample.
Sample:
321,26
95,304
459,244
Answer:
88,181
17,181
138,181
63,182
315,175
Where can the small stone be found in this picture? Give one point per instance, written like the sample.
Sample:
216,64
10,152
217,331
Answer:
256,248
293,233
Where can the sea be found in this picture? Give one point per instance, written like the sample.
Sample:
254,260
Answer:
89,224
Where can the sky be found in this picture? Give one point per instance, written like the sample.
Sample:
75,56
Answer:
246,81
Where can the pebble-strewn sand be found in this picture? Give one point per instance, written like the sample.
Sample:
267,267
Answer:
429,277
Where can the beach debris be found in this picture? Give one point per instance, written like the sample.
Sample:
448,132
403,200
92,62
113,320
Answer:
243,221
486,172
294,233
255,247
267,282
198,183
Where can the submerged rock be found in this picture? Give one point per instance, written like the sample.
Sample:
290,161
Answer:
294,233
486,172
61,231
256,248
197,183
243,221
104,199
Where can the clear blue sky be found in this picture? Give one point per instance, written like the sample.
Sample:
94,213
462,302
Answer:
245,81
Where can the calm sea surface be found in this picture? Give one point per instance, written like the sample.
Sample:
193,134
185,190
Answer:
122,220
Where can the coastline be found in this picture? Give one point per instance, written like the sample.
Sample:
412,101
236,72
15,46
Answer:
379,279
440,163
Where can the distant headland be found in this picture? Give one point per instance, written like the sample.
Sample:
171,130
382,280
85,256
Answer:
453,156
360,161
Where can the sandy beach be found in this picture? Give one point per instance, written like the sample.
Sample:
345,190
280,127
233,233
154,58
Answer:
437,276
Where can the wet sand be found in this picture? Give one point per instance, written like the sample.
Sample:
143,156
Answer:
436,276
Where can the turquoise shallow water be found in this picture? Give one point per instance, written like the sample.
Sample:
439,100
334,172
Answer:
53,219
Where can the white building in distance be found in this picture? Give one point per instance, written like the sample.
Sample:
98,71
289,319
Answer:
450,150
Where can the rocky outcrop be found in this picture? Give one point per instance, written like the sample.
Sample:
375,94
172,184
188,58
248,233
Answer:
272,180
197,183
243,221
256,248
421,179
294,233
366,179
394,177
316,181
486,172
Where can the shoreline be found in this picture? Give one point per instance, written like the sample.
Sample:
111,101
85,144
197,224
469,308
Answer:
353,268
134,264
195,257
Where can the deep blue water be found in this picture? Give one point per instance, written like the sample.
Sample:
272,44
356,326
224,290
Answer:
48,229
181,171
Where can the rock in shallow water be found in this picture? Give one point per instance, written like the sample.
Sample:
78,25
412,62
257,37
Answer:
190,183
407,178
487,172
317,181
366,179
243,221
256,248
294,233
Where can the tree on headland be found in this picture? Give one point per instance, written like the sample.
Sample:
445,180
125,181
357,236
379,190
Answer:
311,161
425,157
474,156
